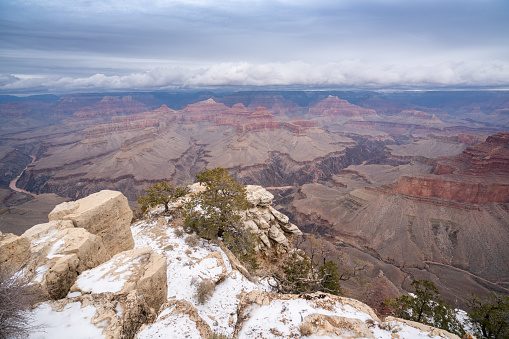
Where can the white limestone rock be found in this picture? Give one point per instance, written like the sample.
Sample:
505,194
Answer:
139,269
106,214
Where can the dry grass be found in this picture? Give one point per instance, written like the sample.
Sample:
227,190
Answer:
179,232
17,296
192,240
205,290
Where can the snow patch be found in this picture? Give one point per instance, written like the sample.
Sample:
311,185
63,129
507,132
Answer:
72,322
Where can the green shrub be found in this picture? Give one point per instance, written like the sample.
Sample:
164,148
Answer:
162,193
426,307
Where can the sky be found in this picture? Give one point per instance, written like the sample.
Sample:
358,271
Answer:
57,46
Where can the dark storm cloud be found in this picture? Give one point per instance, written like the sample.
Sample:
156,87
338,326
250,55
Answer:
142,44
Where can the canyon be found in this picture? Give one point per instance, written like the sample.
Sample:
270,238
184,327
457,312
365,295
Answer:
410,182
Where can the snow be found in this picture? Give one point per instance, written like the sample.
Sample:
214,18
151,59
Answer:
186,266
41,271
55,248
286,316
43,240
72,322
177,326
401,329
108,277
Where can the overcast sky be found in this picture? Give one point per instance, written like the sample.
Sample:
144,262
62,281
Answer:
91,45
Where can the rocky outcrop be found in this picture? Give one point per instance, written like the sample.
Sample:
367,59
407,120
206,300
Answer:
59,253
317,324
111,106
104,315
333,106
264,314
182,318
316,313
106,214
140,269
271,226
478,175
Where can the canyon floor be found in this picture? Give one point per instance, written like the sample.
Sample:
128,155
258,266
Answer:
414,183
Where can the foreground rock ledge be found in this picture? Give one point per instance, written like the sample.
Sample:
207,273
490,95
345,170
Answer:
106,214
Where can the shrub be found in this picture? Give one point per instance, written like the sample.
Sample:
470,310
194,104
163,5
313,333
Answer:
179,232
299,275
205,290
192,240
17,296
329,278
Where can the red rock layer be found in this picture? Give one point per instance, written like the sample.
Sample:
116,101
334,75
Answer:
246,120
335,106
203,110
111,106
461,189
478,175
14,109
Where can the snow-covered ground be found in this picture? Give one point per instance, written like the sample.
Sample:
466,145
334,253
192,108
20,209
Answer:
187,266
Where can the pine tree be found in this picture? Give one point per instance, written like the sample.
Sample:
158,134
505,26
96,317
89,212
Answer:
216,213
426,307
490,316
162,193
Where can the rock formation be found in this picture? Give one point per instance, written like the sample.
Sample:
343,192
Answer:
139,270
333,106
274,228
106,214
111,106
478,175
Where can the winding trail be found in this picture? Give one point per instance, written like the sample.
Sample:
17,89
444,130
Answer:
471,274
12,184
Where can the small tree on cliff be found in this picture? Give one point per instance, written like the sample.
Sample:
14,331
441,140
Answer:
162,193
426,307
490,316
216,212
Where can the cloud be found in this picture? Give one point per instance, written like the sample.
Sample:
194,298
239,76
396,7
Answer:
346,74
154,44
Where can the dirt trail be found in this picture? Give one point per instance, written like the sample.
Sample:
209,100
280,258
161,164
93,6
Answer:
471,274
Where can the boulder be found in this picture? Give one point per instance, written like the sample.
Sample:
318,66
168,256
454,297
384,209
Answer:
278,236
14,251
40,232
278,215
106,214
212,267
139,269
258,196
332,325
61,255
